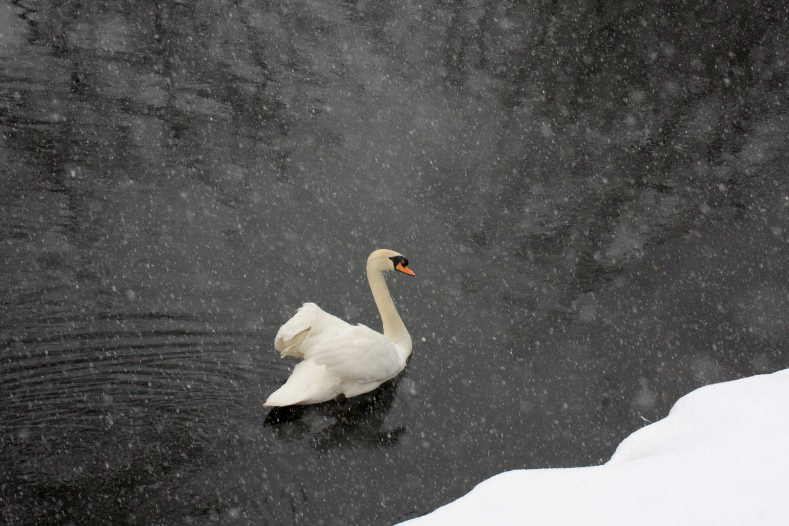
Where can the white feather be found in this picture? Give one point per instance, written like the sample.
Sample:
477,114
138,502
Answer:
358,354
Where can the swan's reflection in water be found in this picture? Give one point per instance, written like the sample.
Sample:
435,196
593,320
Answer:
348,423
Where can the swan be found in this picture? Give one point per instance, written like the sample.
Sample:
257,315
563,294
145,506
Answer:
339,358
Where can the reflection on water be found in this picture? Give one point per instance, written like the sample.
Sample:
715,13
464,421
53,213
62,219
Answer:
350,423
594,199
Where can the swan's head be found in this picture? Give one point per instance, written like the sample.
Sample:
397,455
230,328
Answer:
385,260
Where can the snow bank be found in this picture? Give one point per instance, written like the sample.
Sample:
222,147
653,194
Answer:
721,457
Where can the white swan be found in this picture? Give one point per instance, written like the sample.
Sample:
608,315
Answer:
340,358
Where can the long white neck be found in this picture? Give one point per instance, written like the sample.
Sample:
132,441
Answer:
394,329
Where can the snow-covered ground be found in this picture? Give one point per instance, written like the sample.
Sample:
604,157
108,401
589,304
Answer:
721,457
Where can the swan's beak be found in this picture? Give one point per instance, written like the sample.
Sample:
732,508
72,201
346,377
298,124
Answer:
405,270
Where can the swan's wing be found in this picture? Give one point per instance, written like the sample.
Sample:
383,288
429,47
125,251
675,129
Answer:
312,322
359,354
296,330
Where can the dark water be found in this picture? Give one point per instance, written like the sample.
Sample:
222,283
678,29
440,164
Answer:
595,199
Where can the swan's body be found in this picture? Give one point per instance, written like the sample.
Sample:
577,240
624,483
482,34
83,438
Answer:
339,358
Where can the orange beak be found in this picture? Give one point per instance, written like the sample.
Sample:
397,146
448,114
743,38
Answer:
405,270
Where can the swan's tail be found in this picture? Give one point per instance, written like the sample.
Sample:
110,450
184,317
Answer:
281,398
308,384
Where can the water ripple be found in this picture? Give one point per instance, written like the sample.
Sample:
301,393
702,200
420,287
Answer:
170,369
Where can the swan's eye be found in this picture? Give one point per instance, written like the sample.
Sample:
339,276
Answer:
400,264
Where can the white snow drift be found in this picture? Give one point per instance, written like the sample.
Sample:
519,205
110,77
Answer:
721,457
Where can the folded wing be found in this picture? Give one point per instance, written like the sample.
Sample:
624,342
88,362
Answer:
358,354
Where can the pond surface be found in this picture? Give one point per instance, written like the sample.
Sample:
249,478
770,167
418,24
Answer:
594,199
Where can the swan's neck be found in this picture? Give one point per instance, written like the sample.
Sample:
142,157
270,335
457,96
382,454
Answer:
394,329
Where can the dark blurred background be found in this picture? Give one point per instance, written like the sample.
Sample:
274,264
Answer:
593,196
